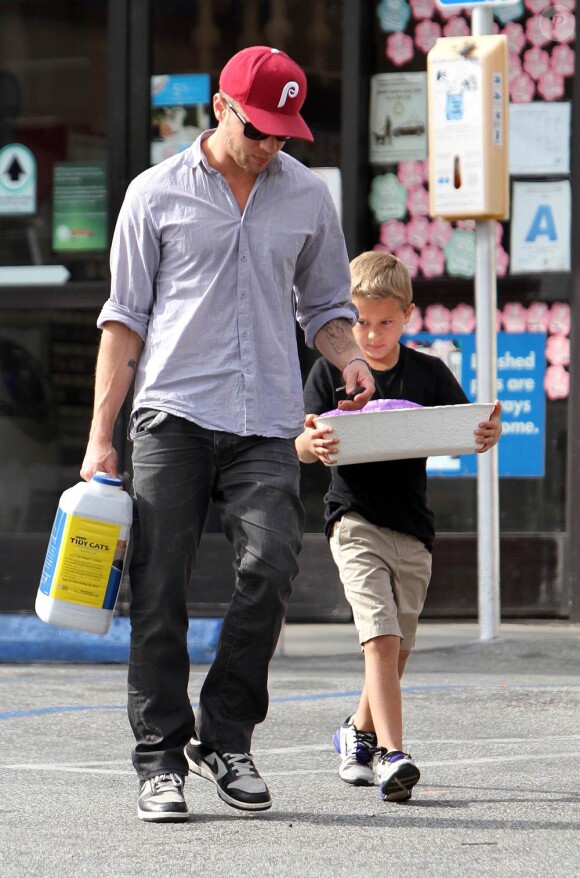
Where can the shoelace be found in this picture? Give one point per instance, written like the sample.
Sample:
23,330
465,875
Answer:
364,746
240,763
163,783
392,755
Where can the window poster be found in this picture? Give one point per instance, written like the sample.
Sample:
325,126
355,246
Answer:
541,226
79,206
521,366
398,118
540,138
179,112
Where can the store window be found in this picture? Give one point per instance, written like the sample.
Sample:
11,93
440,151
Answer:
533,257
53,138
198,39
53,242
47,361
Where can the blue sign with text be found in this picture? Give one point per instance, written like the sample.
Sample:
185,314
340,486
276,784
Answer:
466,3
521,365
180,89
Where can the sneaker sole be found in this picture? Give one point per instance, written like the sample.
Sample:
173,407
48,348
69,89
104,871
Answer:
398,788
162,816
203,771
358,781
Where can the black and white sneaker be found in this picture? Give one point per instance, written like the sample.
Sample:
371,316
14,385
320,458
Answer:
161,799
236,777
396,774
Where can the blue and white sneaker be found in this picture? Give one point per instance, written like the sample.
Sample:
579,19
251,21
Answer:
356,750
396,775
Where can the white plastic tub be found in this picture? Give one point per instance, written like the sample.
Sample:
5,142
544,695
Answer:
403,433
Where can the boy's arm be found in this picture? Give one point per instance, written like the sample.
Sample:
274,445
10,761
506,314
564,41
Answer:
314,442
488,432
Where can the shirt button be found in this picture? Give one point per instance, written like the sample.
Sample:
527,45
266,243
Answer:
244,258
244,295
244,334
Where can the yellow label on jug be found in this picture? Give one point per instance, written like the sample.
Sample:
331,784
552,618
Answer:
85,559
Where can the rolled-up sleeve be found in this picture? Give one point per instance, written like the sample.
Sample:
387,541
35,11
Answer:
322,279
134,262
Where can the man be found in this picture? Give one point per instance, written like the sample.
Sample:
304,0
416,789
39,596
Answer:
216,253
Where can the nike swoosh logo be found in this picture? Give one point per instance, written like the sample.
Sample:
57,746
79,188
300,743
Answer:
215,765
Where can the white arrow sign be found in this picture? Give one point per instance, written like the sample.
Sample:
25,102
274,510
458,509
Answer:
17,180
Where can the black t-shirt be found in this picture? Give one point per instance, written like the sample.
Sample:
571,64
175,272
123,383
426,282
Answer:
391,493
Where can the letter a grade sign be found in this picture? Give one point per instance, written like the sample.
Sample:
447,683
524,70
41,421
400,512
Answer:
541,226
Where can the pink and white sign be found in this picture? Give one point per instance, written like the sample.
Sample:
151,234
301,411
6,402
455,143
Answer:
410,257
437,319
556,382
432,261
393,234
463,318
399,49
558,350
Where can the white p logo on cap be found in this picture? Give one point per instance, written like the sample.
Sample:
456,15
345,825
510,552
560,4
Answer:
291,89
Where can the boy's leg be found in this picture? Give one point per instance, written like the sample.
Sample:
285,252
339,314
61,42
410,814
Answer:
363,718
366,583
376,584
383,692
396,772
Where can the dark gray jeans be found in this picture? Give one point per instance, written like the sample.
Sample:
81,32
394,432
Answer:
178,467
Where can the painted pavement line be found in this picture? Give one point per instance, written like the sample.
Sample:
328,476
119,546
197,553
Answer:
317,696
308,748
437,763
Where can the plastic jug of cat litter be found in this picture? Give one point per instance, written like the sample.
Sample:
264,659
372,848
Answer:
85,555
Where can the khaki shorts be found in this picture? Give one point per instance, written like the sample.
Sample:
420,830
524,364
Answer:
385,575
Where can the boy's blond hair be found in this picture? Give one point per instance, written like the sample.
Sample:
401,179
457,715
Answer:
377,274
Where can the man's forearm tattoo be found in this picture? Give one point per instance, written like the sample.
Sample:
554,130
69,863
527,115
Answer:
339,334
131,363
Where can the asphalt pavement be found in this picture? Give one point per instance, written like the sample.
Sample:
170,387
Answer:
494,727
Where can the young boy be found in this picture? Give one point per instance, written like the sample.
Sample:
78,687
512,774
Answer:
377,520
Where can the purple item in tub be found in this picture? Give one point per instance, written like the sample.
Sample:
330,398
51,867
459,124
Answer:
377,405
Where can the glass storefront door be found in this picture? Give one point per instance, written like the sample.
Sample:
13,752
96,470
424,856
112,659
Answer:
54,141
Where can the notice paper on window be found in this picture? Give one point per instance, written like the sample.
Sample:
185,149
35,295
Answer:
540,138
541,226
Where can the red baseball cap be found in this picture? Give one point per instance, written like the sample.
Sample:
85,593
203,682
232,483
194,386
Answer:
270,88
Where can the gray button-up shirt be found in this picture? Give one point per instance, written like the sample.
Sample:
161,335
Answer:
215,294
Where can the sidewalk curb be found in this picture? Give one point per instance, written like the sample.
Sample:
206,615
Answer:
26,639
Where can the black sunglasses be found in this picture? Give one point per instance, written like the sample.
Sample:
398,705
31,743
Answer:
252,133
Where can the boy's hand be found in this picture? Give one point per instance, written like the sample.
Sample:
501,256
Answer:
488,432
315,441
357,374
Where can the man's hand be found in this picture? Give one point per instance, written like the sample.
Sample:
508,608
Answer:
337,343
357,374
100,457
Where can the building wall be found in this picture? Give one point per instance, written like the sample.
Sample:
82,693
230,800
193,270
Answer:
74,90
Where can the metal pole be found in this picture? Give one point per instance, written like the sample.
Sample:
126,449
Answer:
487,471
486,360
